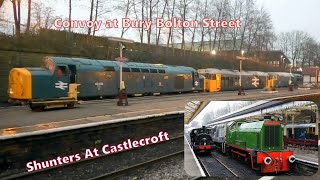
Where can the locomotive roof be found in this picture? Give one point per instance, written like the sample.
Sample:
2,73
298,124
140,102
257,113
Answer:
252,125
230,72
95,62
236,72
284,74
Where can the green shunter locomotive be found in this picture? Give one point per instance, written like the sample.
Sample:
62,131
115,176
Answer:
259,143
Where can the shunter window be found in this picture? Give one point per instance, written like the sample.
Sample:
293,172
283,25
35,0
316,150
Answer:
213,77
153,71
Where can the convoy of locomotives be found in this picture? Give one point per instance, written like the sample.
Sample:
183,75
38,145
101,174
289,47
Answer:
100,78
258,143
229,79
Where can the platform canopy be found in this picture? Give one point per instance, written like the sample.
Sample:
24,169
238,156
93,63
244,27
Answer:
260,108
192,109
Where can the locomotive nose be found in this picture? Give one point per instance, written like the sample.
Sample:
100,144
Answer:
19,86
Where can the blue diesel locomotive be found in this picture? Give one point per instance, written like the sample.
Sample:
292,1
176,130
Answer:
98,78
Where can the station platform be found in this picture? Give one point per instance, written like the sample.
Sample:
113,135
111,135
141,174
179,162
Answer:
306,155
191,164
14,120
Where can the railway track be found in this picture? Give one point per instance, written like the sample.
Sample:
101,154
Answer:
118,173
303,168
212,167
100,162
218,165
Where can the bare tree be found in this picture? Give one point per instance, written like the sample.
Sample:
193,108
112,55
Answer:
220,5
152,4
259,30
96,16
293,44
237,8
139,11
162,15
91,14
16,15
42,15
204,31
70,8
170,29
128,5
193,31
1,2
29,16
249,10
183,12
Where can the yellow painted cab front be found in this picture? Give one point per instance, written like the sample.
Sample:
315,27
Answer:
20,86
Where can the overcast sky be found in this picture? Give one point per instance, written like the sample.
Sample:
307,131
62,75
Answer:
286,15
290,15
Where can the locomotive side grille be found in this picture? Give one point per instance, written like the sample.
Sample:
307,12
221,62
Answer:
271,136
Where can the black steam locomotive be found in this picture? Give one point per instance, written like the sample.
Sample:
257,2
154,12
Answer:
201,140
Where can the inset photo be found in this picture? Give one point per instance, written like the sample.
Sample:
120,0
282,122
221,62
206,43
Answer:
251,138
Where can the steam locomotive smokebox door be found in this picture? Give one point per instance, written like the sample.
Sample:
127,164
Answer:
179,82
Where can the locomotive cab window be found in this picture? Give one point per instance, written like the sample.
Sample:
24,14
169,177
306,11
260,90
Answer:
61,70
196,75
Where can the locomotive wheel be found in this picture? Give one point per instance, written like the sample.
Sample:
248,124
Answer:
37,108
70,106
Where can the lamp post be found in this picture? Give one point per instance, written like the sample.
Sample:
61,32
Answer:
290,81
290,85
121,86
240,79
241,90
121,59
122,92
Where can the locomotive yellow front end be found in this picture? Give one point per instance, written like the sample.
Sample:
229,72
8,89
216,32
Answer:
20,86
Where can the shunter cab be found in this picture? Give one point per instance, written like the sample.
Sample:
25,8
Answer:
260,143
271,81
212,82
